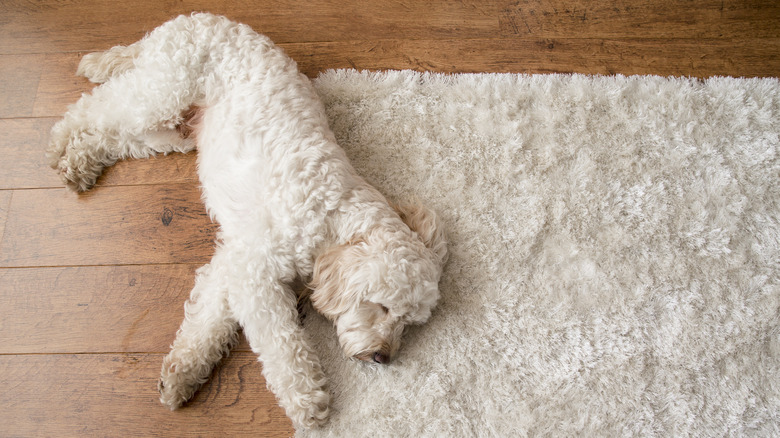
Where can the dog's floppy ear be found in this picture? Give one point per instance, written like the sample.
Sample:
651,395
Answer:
333,283
426,224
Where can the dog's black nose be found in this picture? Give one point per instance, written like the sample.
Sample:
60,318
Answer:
380,358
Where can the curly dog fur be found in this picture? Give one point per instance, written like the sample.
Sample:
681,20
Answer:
289,205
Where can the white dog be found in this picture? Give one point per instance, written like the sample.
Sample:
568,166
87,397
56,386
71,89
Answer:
289,205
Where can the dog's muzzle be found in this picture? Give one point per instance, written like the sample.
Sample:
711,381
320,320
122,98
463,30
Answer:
376,357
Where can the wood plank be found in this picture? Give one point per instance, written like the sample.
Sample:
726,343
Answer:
24,163
107,226
91,25
696,58
19,77
647,19
72,25
116,395
94,309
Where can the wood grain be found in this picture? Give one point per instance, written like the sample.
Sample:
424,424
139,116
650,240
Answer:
71,25
94,309
161,169
116,395
19,77
80,25
111,225
667,19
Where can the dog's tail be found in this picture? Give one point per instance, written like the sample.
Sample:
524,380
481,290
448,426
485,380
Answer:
99,67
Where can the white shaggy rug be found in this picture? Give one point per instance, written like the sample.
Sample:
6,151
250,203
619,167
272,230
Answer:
615,255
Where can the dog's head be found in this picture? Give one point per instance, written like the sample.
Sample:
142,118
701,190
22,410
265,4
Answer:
376,285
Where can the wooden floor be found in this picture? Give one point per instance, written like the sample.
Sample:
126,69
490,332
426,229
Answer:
92,286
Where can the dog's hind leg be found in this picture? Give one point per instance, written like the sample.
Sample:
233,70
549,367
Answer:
205,336
269,317
98,67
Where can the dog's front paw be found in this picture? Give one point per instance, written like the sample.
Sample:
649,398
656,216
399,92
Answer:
175,387
310,410
76,155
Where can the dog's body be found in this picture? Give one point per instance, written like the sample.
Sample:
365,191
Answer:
288,202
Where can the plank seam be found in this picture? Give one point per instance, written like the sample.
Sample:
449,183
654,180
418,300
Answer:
5,219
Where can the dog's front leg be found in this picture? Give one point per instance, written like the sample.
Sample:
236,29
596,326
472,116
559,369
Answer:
206,334
132,114
268,314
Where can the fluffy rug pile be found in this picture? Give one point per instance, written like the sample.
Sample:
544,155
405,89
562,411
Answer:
615,255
